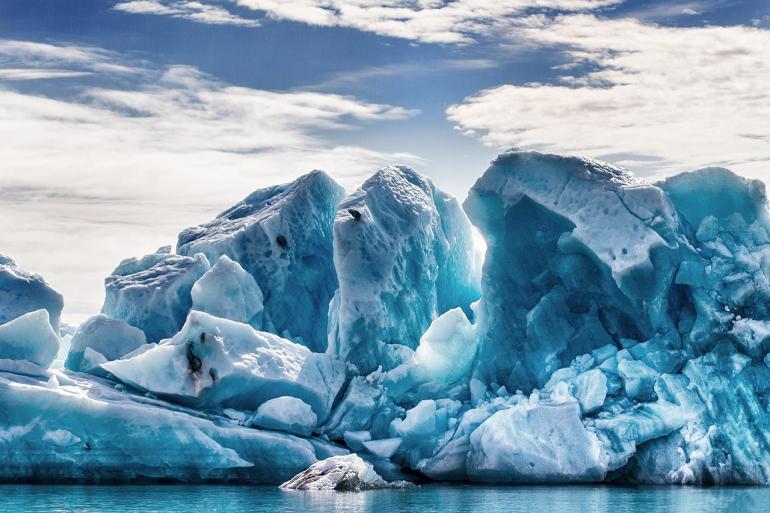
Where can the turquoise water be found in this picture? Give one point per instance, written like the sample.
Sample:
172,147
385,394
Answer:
425,499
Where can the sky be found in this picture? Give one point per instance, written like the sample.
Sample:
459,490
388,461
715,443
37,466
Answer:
125,121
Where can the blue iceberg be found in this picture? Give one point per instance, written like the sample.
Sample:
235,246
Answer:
282,236
404,254
619,331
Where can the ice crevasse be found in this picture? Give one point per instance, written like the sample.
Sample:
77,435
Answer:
619,330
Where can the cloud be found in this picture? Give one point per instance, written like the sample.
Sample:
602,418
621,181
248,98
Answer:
408,71
426,21
656,99
188,10
30,59
117,170
38,74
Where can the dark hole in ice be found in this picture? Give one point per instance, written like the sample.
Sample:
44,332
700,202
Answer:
214,374
282,242
87,446
193,362
355,213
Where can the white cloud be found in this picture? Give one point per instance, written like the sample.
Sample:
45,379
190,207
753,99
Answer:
113,172
407,71
189,10
656,99
38,73
426,21
31,55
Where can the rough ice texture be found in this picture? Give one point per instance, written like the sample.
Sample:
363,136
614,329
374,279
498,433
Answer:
343,473
218,363
153,293
227,291
111,338
623,334
571,248
29,337
71,429
22,292
282,236
404,254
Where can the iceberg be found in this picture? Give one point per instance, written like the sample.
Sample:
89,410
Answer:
22,292
69,429
153,293
229,292
576,258
342,473
404,254
215,363
29,337
282,236
619,331
99,335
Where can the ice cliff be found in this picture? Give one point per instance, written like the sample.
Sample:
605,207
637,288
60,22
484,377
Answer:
619,331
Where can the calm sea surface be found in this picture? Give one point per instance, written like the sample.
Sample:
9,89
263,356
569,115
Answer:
424,499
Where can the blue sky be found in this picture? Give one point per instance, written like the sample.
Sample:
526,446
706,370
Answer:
125,121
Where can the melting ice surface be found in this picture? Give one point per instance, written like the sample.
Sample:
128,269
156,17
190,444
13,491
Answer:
618,332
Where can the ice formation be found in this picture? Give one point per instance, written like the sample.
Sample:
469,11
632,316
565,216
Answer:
100,335
22,292
227,291
342,473
153,293
282,236
621,333
404,254
29,337
218,363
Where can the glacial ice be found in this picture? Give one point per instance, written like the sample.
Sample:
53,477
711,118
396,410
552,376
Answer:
22,292
285,413
218,363
87,430
153,293
282,236
229,292
403,252
109,338
621,333
29,337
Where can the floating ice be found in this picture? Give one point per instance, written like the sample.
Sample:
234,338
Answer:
342,473
85,430
622,334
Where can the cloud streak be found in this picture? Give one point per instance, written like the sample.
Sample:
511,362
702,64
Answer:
189,10
425,21
656,99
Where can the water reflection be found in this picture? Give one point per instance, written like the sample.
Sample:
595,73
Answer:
425,499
